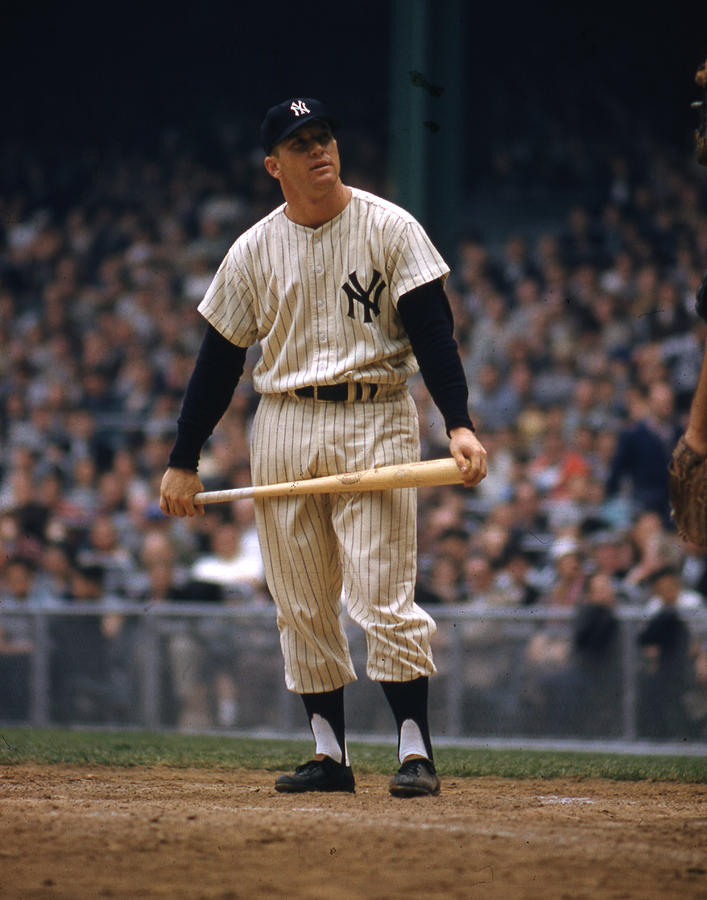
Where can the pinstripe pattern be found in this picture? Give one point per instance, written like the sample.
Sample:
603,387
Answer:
359,546
283,284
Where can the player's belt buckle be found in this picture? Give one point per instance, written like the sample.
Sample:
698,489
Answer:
355,390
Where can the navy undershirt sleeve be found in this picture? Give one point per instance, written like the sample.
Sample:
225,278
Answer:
428,320
218,367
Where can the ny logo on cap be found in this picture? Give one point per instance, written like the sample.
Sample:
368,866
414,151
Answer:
299,107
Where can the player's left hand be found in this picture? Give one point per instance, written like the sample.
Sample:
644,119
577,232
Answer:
469,454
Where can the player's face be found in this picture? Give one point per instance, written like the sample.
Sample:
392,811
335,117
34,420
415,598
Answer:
307,160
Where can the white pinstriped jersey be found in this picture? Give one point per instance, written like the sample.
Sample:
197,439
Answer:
322,302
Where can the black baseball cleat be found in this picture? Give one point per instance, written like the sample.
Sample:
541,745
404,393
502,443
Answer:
415,778
317,775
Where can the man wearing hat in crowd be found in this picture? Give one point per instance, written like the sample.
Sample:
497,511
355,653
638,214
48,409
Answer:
664,641
345,294
669,592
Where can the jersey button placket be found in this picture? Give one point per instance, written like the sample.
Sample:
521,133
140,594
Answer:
319,291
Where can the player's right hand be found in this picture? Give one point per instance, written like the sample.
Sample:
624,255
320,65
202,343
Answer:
177,493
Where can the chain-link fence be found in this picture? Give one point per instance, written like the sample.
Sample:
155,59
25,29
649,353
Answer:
536,672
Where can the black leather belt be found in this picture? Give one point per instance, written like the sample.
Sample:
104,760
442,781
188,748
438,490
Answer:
337,391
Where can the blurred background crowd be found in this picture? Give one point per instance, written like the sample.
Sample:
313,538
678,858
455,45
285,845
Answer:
578,334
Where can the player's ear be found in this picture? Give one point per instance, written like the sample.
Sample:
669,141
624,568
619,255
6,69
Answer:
272,166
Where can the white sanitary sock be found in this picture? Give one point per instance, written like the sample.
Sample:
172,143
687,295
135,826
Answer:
411,743
326,741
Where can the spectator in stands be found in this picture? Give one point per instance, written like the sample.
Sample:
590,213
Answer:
442,583
695,700
582,696
610,553
488,683
555,466
526,308
490,336
501,471
494,398
569,580
20,582
531,526
184,662
580,241
654,548
82,491
666,675
669,592
55,570
518,579
481,585
444,512
643,452
515,263
91,659
229,563
17,578
102,548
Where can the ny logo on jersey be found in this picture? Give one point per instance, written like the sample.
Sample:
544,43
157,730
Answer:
354,291
299,108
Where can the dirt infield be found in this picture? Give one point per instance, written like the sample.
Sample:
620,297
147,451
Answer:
87,832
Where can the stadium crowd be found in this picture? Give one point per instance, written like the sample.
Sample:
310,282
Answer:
582,350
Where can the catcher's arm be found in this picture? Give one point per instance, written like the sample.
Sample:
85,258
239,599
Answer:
696,431
687,470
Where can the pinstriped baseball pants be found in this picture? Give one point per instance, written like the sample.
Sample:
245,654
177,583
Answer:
359,547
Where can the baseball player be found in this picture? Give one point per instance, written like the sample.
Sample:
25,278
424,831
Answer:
687,469
345,294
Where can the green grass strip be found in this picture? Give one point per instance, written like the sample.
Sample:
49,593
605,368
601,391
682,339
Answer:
52,746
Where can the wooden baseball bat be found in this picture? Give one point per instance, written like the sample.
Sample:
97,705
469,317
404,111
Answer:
416,474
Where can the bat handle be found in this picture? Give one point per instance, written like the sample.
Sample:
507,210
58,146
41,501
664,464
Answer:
223,496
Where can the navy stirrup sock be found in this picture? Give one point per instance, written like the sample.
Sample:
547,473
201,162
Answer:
326,719
408,700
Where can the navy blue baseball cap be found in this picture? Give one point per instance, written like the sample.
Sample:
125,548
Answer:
281,120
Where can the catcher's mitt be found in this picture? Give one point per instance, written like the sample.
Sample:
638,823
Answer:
687,485
701,105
